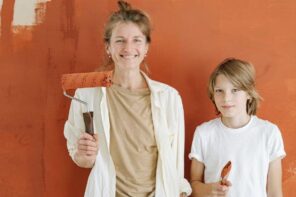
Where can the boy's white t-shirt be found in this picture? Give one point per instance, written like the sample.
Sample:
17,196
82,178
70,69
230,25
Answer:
250,150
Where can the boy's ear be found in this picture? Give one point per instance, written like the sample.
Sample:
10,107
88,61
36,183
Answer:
249,97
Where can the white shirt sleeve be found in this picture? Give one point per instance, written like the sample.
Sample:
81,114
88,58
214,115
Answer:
276,145
196,147
74,126
179,144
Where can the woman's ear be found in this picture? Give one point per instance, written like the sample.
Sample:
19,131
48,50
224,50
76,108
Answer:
107,48
146,49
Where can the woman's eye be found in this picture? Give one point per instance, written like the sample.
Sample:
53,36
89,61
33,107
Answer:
235,90
119,41
138,40
218,91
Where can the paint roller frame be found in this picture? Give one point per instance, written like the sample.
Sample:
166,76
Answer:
86,80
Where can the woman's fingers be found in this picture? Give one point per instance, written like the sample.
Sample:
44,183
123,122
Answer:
88,144
96,137
87,148
87,136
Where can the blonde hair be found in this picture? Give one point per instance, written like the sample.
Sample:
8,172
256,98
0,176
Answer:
126,14
242,75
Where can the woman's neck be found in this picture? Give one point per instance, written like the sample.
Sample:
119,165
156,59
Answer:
130,79
236,122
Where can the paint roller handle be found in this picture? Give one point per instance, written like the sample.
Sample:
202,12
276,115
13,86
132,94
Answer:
88,121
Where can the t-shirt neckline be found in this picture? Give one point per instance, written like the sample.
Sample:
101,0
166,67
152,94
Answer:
236,130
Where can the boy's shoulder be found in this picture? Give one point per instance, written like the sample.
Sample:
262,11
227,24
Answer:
264,124
209,126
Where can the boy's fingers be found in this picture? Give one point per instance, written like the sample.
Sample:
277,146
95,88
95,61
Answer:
226,183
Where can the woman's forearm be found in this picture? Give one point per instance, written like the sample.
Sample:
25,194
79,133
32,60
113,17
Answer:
84,162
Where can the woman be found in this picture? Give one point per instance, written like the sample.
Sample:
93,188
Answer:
138,149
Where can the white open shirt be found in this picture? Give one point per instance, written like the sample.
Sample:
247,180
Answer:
168,121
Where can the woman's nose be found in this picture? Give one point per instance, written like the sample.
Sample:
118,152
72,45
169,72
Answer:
128,46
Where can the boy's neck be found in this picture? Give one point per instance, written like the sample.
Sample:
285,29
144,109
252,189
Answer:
236,123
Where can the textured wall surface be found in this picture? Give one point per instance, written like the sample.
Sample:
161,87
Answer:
42,39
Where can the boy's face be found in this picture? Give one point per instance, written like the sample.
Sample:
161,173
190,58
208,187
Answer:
230,100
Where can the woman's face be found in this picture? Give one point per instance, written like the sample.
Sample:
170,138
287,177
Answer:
128,46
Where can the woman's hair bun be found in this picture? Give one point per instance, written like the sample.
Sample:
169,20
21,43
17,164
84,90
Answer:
124,6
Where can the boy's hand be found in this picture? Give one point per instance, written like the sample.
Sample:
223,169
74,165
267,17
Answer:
219,189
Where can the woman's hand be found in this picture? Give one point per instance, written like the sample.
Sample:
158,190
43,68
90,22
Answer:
87,150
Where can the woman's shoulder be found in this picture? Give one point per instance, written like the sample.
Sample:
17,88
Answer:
88,92
157,86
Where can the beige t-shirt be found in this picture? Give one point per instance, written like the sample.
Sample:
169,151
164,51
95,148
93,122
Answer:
132,141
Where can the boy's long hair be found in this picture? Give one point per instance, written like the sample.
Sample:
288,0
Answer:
242,75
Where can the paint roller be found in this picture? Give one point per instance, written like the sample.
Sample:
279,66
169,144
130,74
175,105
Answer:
86,80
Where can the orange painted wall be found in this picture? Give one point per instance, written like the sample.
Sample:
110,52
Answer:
189,39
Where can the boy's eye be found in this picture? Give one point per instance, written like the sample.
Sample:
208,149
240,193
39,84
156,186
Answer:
118,41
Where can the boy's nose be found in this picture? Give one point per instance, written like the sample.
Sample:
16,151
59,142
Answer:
227,96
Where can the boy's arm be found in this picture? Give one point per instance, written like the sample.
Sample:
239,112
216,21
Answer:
274,178
199,188
197,172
